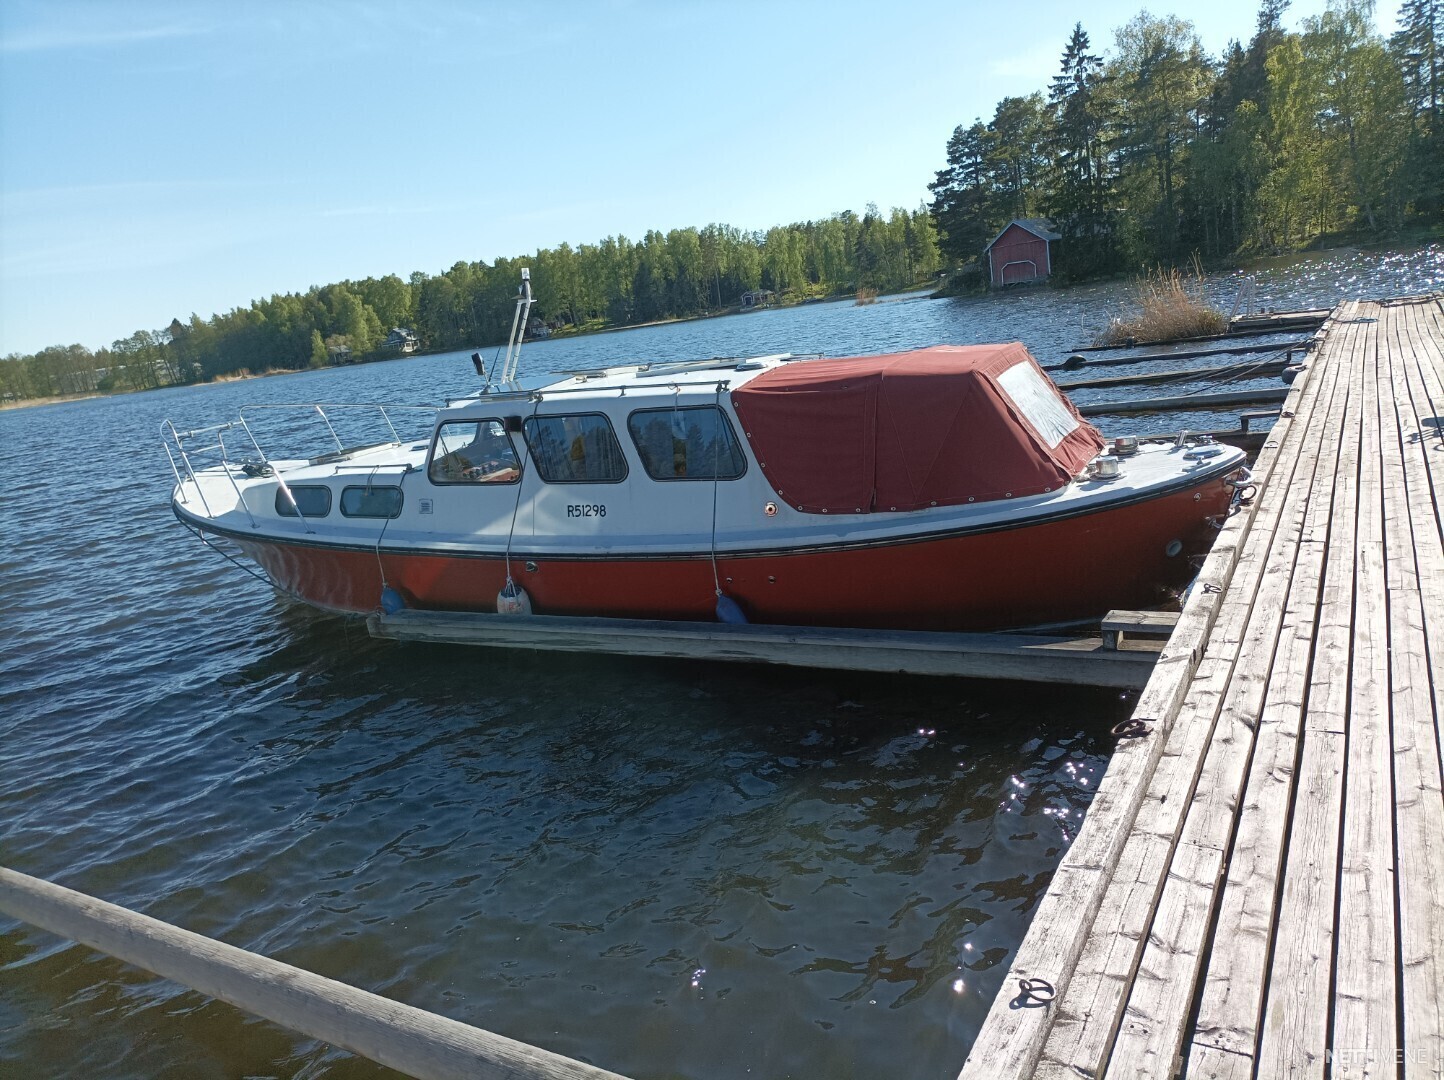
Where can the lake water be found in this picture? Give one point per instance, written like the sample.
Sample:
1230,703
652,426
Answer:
669,869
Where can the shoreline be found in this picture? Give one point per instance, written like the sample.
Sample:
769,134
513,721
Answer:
930,291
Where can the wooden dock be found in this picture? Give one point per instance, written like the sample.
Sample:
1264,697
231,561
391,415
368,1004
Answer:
1258,886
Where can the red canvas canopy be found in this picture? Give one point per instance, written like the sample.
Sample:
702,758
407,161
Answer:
934,427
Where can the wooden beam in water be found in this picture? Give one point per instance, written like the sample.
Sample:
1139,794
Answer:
1024,657
1274,321
1244,326
416,1042
1298,344
1185,402
1260,369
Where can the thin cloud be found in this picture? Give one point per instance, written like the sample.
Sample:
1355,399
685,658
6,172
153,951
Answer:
61,38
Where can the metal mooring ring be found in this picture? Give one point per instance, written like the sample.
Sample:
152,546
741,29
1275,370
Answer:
1036,990
1131,729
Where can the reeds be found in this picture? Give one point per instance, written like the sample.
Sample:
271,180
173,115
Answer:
866,295
1171,305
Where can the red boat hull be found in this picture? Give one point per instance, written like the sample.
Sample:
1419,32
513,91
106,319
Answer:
1073,567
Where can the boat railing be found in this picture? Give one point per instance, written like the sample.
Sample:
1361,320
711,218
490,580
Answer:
206,443
206,447
324,415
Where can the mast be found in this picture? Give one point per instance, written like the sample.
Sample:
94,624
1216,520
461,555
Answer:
518,327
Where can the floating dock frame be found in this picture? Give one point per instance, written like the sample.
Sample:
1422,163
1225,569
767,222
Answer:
1257,889
1083,661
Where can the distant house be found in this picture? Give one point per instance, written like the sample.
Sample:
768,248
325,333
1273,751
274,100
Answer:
403,339
758,298
1021,252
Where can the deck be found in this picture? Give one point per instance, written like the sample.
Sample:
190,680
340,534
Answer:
1258,887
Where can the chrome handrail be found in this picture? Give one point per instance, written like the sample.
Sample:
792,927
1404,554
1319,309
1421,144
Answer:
184,444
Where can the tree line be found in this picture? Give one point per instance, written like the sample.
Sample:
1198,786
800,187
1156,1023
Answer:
1145,157
616,282
1158,151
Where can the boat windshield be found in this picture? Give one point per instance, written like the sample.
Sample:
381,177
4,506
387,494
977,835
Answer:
473,452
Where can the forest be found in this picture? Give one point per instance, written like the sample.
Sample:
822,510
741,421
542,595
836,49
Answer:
1157,152
1145,156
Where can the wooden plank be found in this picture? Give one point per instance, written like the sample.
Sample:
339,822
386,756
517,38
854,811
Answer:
1365,1033
1161,996
1240,326
1275,319
1011,1039
1294,1038
1427,465
1090,1012
1257,369
1118,625
1426,391
1225,1031
417,1042
1077,363
1183,402
1031,658
1411,557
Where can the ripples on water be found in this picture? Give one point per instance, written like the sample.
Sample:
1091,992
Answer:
669,869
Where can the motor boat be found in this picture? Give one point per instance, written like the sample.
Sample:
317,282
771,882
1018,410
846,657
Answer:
950,488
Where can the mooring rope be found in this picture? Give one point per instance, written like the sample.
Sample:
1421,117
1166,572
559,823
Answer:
258,574
520,483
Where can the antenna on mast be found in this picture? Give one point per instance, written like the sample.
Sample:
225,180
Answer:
518,327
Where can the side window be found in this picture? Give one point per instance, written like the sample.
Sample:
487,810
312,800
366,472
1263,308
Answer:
575,449
473,452
694,443
311,500
371,502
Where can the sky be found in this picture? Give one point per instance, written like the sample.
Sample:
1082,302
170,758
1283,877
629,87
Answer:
164,159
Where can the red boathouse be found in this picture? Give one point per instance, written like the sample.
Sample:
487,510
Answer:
1022,252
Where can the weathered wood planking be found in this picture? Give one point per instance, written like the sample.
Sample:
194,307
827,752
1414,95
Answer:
1161,995
1011,1039
1294,1038
1226,1029
1299,784
1087,1016
1411,545
1025,657
1365,1033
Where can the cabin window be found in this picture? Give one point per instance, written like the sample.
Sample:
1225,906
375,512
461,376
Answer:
311,500
1040,402
576,449
694,443
371,502
473,452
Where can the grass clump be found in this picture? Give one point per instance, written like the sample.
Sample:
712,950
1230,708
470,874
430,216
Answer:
1171,305
867,295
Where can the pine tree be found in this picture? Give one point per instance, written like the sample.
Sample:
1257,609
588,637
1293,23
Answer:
960,195
1078,199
